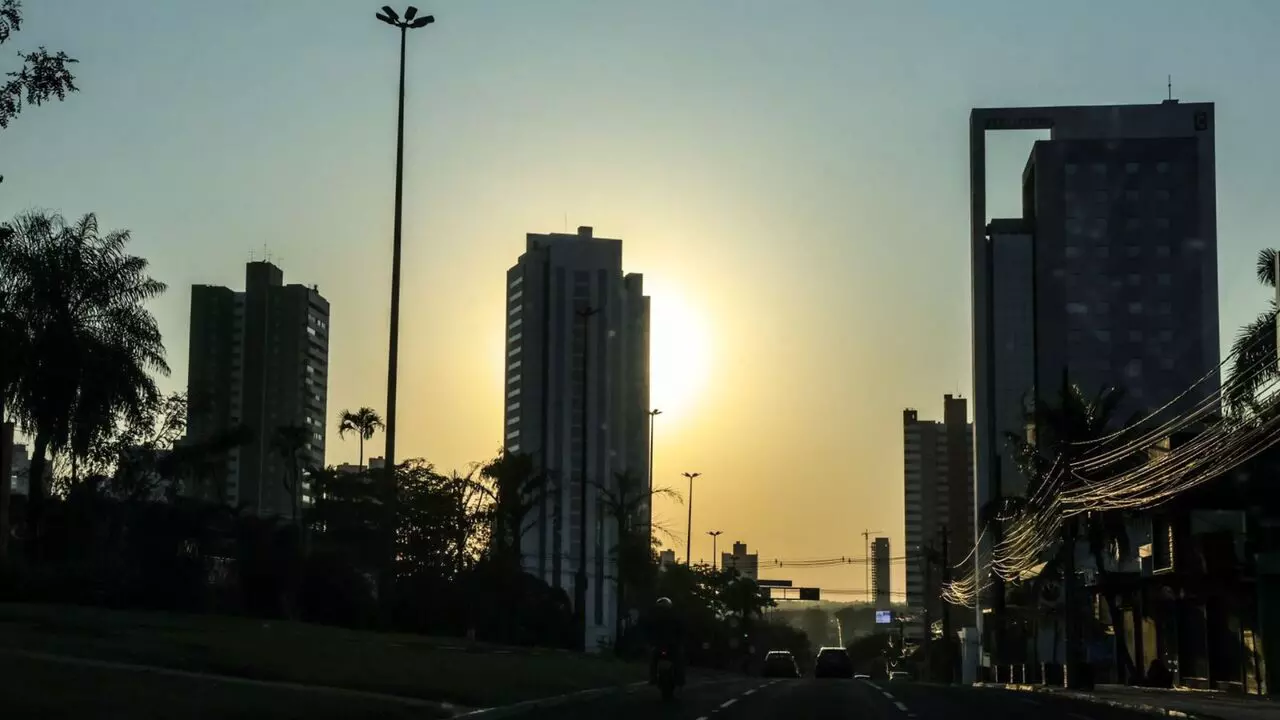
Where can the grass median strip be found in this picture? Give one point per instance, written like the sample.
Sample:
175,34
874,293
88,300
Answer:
442,669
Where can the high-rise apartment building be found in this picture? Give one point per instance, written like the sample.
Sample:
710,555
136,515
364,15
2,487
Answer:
938,498
259,359
881,585
1109,278
742,562
576,398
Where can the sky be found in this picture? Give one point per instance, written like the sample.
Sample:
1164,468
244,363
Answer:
791,178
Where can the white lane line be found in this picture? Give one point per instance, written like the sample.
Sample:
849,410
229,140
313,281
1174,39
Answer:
900,705
752,691
728,703
704,717
886,694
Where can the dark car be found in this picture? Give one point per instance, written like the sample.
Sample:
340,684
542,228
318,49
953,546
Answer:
833,662
780,664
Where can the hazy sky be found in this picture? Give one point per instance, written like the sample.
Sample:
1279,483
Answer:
790,177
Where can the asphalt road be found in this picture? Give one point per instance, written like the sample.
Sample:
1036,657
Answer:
808,699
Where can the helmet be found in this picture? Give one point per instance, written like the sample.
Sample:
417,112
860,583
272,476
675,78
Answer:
664,603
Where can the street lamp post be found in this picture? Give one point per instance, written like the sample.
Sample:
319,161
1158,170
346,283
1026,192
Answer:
715,548
409,22
688,532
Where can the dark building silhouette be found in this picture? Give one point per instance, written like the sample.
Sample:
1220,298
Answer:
258,358
547,416
881,581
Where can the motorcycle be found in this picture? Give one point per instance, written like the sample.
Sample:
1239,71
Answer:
666,677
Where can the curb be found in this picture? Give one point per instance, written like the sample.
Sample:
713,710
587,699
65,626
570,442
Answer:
502,711
1090,697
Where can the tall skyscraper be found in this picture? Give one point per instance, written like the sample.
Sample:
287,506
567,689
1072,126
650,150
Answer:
881,587
577,399
742,562
258,359
1109,278
938,498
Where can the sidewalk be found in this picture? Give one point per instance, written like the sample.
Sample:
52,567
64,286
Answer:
1172,703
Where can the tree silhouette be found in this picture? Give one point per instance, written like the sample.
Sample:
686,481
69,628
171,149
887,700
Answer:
288,442
1255,361
363,422
514,487
85,345
42,77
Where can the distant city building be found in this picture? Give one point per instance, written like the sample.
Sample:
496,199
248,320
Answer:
349,469
573,318
667,558
1109,278
938,497
881,586
744,563
258,359
19,463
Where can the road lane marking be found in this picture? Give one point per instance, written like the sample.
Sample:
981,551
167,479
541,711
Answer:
900,705
704,717
728,703
886,694
752,691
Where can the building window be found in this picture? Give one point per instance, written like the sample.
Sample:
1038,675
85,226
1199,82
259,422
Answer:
513,378
516,337
1135,279
513,407
517,282
513,434
1077,309
1162,223
515,324
1073,227
1102,252
1135,336
514,447
513,420
1072,168
1071,251
1102,335
1103,308
515,365
514,392
1132,168
1099,168
1135,308
515,351
1133,251
1162,195
1164,279
1166,336
516,296
1162,251
1131,195
1162,167
515,310
1166,363
1133,223
1100,196
1134,368
1165,308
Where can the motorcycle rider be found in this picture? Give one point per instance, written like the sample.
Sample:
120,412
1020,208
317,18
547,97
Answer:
664,630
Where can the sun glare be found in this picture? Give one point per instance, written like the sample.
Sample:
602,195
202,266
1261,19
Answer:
679,353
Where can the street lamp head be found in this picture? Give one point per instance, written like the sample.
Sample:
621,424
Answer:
386,10
386,19
410,12
423,21
655,412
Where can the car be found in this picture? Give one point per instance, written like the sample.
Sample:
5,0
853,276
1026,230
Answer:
780,664
833,662
899,675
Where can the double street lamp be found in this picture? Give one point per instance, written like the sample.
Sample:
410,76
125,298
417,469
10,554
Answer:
715,548
410,21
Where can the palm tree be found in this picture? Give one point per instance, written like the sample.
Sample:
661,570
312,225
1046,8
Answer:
363,422
85,345
1064,431
288,442
625,503
1254,349
514,487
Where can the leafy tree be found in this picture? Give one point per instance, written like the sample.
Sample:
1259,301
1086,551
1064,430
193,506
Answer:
42,77
363,422
86,346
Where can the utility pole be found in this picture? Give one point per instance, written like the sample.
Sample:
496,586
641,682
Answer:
715,555
580,586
